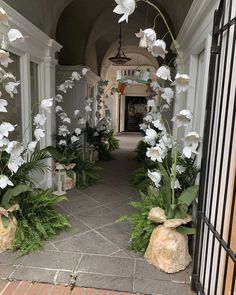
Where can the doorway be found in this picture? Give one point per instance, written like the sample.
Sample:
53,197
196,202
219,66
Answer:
135,110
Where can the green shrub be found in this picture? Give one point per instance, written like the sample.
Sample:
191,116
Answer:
38,220
142,228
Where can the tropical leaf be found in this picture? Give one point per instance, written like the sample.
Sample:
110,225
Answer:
14,192
186,230
189,195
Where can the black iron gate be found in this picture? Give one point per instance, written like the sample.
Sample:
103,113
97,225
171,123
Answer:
214,269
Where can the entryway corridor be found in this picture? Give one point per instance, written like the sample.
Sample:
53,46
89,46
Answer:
96,249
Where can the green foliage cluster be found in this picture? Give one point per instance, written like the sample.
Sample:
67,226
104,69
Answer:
141,151
104,141
86,171
142,228
38,220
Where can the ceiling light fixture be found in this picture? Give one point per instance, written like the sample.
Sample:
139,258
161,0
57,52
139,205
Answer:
120,58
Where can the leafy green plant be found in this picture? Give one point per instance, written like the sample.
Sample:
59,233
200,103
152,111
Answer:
37,220
34,163
140,179
86,172
142,228
141,151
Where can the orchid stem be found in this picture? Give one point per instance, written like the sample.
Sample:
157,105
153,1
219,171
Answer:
169,30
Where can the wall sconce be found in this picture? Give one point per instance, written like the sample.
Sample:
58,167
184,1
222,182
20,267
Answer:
59,180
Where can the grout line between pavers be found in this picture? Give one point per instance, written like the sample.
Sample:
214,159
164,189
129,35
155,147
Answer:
56,276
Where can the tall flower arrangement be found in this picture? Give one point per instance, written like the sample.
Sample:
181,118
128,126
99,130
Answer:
13,154
172,172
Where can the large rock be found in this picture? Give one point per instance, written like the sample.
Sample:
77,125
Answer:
168,250
7,235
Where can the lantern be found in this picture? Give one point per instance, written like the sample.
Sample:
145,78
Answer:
59,180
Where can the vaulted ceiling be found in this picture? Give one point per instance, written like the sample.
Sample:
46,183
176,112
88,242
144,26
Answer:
88,29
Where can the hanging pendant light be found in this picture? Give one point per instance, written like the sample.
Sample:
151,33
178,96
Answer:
120,58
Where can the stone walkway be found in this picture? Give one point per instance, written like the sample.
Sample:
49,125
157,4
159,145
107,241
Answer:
96,249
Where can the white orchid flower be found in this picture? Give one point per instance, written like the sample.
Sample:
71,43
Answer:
59,98
155,177
183,118
78,131
148,118
151,103
176,184
192,138
40,119
75,76
155,85
67,120
4,58
58,109
62,142
85,71
69,84
150,35
76,113
180,169
181,82
4,142
156,153
82,121
5,181
3,104
188,151
88,109
5,128
15,148
158,124
31,146
168,94
74,139
39,133
143,126
15,35
167,140
150,137
14,163
46,104
164,73
125,7
3,16
158,48
63,115
165,107
63,130
9,76
62,88
11,88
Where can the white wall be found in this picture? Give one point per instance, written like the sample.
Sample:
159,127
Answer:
41,49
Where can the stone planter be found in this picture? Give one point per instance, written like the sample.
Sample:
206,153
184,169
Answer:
7,235
168,249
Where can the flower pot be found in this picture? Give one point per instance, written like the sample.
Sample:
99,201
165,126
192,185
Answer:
7,235
168,248
70,176
70,180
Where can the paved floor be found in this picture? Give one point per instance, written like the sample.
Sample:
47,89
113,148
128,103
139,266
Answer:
96,247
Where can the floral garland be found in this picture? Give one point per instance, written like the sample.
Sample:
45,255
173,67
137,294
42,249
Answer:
65,121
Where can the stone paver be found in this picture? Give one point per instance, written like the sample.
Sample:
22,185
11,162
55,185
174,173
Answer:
96,249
